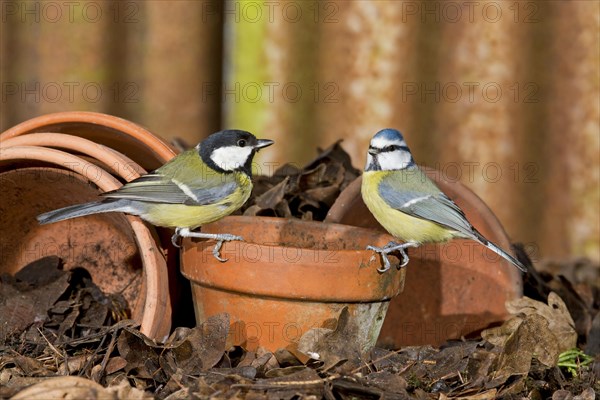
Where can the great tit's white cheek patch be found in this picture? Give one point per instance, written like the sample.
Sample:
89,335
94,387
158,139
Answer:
230,158
393,160
381,142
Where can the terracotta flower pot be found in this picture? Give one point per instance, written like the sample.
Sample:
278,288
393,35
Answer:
288,277
453,289
100,243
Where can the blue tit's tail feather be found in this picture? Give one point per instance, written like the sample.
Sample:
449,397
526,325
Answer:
493,247
79,210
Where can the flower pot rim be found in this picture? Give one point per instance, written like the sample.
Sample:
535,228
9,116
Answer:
112,159
159,147
303,224
303,274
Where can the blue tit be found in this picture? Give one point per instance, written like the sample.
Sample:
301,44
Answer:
408,204
198,186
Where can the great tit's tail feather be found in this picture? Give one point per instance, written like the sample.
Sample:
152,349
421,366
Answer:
493,247
79,210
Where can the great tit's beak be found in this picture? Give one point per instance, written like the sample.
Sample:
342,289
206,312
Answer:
263,143
373,151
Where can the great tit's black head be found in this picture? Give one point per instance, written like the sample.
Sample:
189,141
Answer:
388,151
231,150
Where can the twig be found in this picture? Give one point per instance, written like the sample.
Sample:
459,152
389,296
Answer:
89,362
349,386
313,382
50,344
372,362
279,385
109,350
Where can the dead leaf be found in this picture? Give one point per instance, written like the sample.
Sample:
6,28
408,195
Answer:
336,154
305,193
513,389
200,348
592,346
71,387
262,363
286,371
579,309
26,300
387,381
73,364
479,368
487,395
555,312
326,194
273,196
500,334
348,388
587,394
31,366
115,364
285,358
181,394
124,391
537,330
332,345
450,361
142,359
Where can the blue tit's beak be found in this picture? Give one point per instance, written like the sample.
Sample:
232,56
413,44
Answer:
373,151
263,143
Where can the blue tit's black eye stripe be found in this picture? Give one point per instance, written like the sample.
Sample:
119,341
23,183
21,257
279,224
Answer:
393,147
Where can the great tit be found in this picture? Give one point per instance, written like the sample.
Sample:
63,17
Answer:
198,186
408,204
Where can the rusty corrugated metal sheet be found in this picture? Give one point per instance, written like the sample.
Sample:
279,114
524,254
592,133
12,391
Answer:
500,95
181,64
152,62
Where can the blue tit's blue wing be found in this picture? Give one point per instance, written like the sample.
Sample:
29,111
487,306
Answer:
421,198
155,188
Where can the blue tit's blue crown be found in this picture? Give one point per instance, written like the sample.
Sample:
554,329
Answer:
389,134
388,152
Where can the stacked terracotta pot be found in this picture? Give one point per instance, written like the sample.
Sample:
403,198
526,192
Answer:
68,158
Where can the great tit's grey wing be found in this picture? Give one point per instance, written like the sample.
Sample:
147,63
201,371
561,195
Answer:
155,188
428,203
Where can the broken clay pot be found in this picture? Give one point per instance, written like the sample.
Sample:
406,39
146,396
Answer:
288,277
452,289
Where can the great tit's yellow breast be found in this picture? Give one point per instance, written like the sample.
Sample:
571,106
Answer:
186,216
400,225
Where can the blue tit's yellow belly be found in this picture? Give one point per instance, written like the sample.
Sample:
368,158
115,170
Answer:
397,223
186,216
